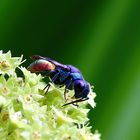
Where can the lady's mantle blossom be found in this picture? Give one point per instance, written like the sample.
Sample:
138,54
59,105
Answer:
26,113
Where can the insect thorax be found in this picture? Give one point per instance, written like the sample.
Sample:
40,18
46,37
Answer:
76,76
63,75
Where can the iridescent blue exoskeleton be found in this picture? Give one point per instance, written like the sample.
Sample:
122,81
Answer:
60,74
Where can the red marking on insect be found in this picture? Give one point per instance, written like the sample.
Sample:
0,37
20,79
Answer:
41,65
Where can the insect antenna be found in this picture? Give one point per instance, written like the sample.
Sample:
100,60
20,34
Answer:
76,101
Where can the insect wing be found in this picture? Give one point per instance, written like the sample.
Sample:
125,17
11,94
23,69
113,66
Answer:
57,64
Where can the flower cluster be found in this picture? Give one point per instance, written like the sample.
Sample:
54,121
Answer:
27,113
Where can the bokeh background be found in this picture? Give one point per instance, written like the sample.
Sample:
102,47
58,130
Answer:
101,38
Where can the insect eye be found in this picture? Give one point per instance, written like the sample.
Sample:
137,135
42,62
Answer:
79,86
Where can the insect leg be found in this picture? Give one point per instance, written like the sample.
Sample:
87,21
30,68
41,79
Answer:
48,85
76,101
55,77
68,83
65,94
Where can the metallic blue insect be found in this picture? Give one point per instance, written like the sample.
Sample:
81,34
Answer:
63,75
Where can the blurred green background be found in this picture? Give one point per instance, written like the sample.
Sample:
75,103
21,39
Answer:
101,38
